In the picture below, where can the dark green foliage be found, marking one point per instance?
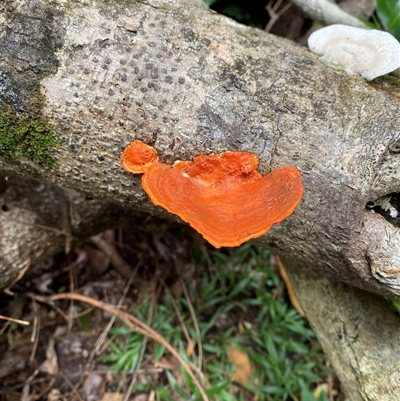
(389, 15)
(242, 289)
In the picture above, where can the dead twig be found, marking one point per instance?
(195, 323)
(142, 350)
(327, 12)
(119, 264)
(103, 335)
(274, 14)
(41, 226)
(133, 323)
(20, 275)
(66, 212)
(71, 305)
(292, 296)
(73, 388)
(13, 320)
(177, 312)
(35, 330)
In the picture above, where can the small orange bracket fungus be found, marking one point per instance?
(222, 196)
(137, 157)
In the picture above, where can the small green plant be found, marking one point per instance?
(241, 290)
(388, 12)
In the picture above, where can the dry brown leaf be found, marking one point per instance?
(190, 347)
(55, 395)
(165, 363)
(133, 323)
(98, 261)
(242, 362)
(174, 366)
(142, 397)
(323, 387)
(91, 386)
(50, 365)
(112, 397)
(241, 327)
(176, 290)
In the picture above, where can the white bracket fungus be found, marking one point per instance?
(369, 53)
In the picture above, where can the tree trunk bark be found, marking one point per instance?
(79, 81)
(39, 220)
(358, 331)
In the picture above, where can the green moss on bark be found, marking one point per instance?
(26, 135)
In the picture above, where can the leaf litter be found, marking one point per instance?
(170, 292)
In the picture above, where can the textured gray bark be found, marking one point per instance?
(38, 220)
(189, 82)
(357, 330)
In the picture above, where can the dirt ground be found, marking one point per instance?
(57, 352)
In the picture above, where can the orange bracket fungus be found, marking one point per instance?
(222, 196)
